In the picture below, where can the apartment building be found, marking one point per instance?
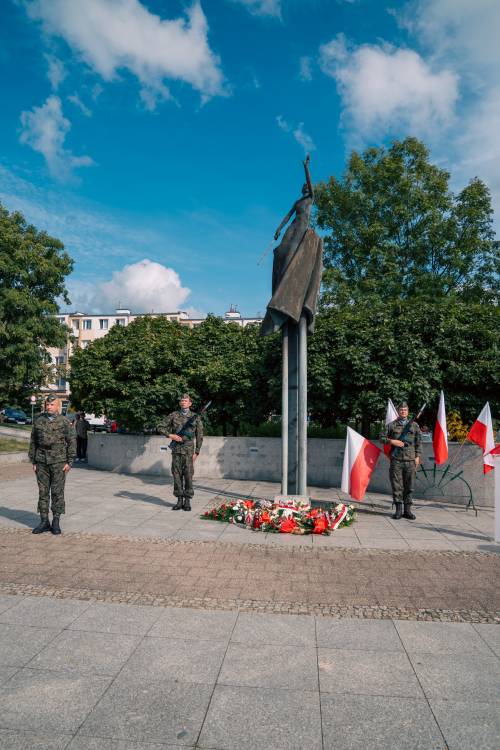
(84, 328)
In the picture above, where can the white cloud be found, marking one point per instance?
(145, 286)
(305, 72)
(302, 138)
(124, 35)
(56, 71)
(458, 30)
(262, 7)
(75, 99)
(388, 89)
(44, 129)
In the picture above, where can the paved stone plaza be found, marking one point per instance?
(143, 628)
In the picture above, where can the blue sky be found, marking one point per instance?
(162, 140)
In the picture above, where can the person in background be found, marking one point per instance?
(82, 427)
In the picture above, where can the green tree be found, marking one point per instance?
(33, 269)
(234, 367)
(410, 291)
(133, 374)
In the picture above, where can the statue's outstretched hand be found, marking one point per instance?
(307, 160)
(276, 234)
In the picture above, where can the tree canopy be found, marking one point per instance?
(137, 373)
(410, 290)
(33, 269)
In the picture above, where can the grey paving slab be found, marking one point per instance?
(459, 677)
(99, 743)
(6, 602)
(12, 740)
(287, 720)
(20, 643)
(86, 653)
(197, 662)
(490, 634)
(49, 702)
(52, 613)
(270, 666)
(194, 624)
(367, 673)
(440, 637)
(468, 725)
(356, 634)
(6, 673)
(378, 723)
(123, 619)
(286, 630)
(145, 710)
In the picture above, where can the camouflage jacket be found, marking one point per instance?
(413, 437)
(52, 441)
(175, 422)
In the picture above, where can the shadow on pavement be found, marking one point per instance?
(144, 498)
(24, 517)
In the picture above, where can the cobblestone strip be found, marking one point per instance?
(249, 605)
(298, 549)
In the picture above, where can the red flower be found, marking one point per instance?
(265, 517)
(248, 503)
(288, 525)
(320, 525)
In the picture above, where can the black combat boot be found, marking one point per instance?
(408, 514)
(187, 504)
(44, 525)
(399, 512)
(56, 529)
(179, 504)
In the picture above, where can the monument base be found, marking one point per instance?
(294, 498)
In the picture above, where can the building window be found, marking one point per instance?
(87, 324)
(61, 384)
(103, 324)
(120, 321)
(76, 325)
(60, 359)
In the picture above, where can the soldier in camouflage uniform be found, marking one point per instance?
(405, 457)
(52, 451)
(185, 452)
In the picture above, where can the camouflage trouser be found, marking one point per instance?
(402, 476)
(182, 472)
(51, 479)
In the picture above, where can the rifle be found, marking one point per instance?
(405, 431)
(185, 431)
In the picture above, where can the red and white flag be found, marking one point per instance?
(360, 458)
(390, 415)
(481, 433)
(440, 437)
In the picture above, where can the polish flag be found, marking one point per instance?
(360, 458)
(481, 433)
(390, 415)
(440, 437)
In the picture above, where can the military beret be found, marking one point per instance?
(51, 398)
(403, 405)
(185, 395)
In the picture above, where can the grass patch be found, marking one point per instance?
(11, 445)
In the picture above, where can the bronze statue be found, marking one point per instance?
(297, 265)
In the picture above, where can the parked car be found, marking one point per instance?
(98, 424)
(15, 416)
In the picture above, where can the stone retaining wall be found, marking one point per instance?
(260, 459)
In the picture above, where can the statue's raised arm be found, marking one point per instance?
(308, 175)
